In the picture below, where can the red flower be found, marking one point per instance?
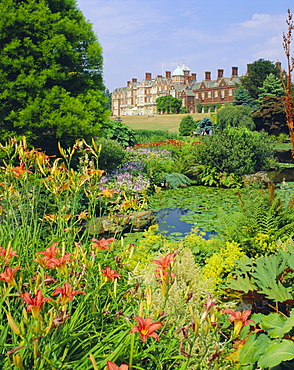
(8, 253)
(110, 274)
(58, 262)
(102, 244)
(8, 275)
(35, 304)
(113, 366)
(146, 328)
(67, 294)
(239, 318)
(51, 252)
(164, 262)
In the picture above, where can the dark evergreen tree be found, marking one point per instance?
(242, 97)
(51, 85)
(271, 116)
(256, 74)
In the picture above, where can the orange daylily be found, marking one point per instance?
(112, 366)
(107, 193)
(110, 274)
(58, 262)
(146, 328)
(239, 318)
(51, 251)
(165, 262)
(8, 253)
(102, 244)
(18, 171)
(67, 294)
(8, 275)
(35, 304)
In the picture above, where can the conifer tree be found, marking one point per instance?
(51, 85)
(242, 97)
(272, 86)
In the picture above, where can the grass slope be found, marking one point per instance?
(165, 122)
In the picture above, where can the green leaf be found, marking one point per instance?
(253, 348)
(277, 353)
(273, 324)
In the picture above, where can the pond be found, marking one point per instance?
(177, 211)
(170, 223)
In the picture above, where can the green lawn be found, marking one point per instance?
(166, 122)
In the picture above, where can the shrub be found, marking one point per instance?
(236, 150)
(118, 131)
(235, 116)
(187, 125)
(111, 156)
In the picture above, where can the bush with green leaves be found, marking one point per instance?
(187, 126)
(119, 132)
(267, 285)
(235, 116)
(236, 150)
(145, 135)
(112, 154)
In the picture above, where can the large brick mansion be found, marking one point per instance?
(140, 97)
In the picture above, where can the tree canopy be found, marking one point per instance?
(168, 104)
(235, 116)
(272, 86)
(256, 74)
(50, 72)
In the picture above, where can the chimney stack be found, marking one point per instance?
(148, 76)
(234, 72)
(159, 76)
(134, 80)
(128, 83)
(168, 74)
(220, 74)
(207, 76)
(194, 77)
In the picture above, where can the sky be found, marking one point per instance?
(139, 36)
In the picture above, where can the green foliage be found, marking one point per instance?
(270, 116)
(199, 108)
(111, 155)
(235, 150)
(119, 132)
(206, 108)
(242, 97)
(145, 136)
(183, 110)
(262, 222)
(168, 104)
(176, 180)
(272, 86)
(187, 126)
(235, 116)
(51, 74)
(256, 74)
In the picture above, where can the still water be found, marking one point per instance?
(170, 223)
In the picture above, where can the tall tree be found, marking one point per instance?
(256, 74)
(272, 86)
(235, 116)
(51, 85)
